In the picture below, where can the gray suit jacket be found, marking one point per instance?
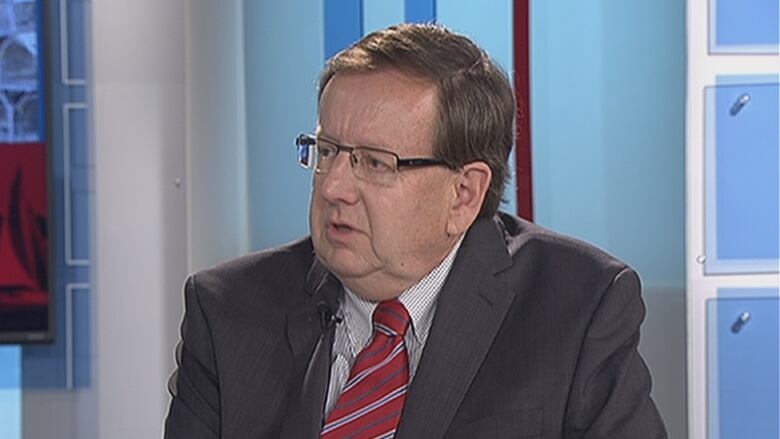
(535, 336)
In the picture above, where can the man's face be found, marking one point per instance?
(379, 240)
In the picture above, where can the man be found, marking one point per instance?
(414, 310)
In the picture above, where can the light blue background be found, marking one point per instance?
(608, 129)
(10, 392)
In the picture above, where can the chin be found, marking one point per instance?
(345, 269)
(340, 261)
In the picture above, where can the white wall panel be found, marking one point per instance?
(216, 132)
(138, 133)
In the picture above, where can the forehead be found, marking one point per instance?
(386, 109)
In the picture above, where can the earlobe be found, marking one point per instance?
(471, 188)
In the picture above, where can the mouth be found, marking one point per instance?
(340, 229)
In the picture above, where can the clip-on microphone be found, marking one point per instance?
(327, 317)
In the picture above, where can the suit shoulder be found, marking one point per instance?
(270, 271)
(567, 270)
(547, 247)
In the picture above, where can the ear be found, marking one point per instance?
(471, 186)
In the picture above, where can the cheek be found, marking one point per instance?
(402, 225)
(430, 212)
(384, 220)
(316, 207)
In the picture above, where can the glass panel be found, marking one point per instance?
(742, 195)
(743, 366)
(738, 26)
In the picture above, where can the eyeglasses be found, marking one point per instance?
(373, 165)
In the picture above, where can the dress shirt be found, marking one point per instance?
(356, 330)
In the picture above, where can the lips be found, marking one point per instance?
(340, 229)
(342, 226)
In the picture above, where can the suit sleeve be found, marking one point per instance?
(610, 397)
(194, 411)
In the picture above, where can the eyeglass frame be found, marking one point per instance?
(307, 139)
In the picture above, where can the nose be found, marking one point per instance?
(339, 183)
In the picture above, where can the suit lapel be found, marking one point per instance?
(310, 344)
(469, 311)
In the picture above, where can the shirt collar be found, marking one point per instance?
(419, 300)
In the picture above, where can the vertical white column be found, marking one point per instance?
(216, 132)
(138, 132)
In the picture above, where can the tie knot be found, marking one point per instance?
(391, 318)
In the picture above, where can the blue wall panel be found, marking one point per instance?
(343, 24)
(76, 38)
(744, 26)
(420, 11)
(743, 364)
(80, 372)
(742, 178)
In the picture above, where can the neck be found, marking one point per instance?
(381, 286)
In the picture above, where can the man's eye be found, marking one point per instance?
(375, 163)
(327, 153)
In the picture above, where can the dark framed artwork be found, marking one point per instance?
(25, 299)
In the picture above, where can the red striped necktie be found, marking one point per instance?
(372, 399)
